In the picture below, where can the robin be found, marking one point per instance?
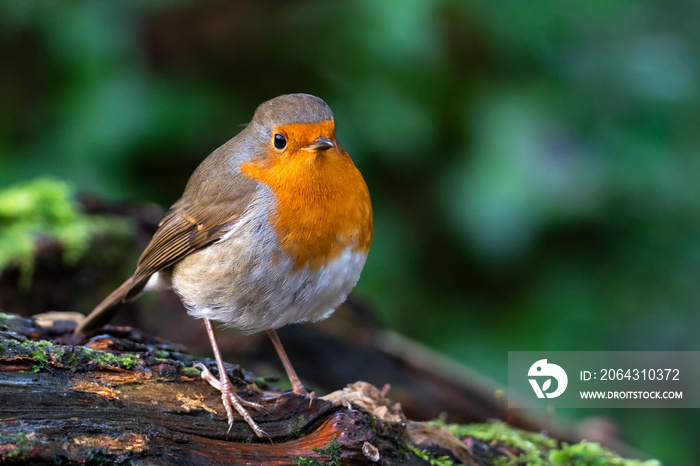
(273, 228)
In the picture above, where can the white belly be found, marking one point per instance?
(244, 281)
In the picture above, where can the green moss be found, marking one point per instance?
(501, 432)
(128, 360)
(42, 351)
(40, 355)
(47, 353)
(45, 207)
(302, 461)
(371, 421)
(431, 458)
(332, 451)
(190, 371)
(295, 428)
(540, 450)
(36, 350)
(161, 354)
(105, 358)
(23, 445)
(43, 343)
(591, 454)
(533, 446)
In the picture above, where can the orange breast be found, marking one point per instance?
(323, 205)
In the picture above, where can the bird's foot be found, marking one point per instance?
(231, 400)
(299, 389)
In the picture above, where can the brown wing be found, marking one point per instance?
(186, 228)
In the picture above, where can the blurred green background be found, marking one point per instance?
(534, 166)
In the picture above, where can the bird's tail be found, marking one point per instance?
(107, 309)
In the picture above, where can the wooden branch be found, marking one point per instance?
(125, 396)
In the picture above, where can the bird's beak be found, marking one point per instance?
(320, 143)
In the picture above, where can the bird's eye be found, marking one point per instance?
(279, 141)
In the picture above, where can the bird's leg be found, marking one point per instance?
(229, 397)
(297, 386)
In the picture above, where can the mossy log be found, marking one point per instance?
(124, 397)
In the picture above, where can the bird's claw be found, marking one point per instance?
(231, 400)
